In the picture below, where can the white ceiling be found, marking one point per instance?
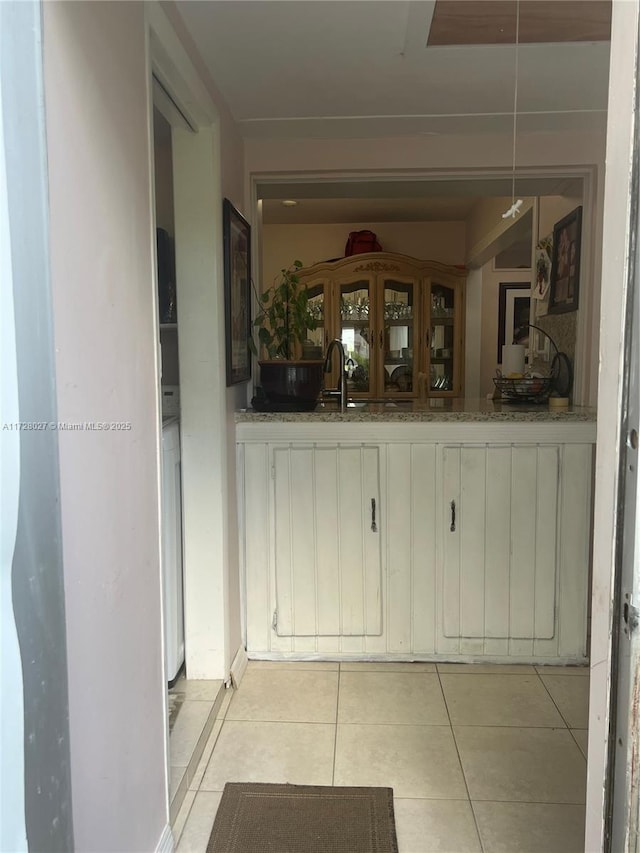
(361, 69)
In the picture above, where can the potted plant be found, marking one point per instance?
(288, 380)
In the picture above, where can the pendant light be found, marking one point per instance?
(515, 205)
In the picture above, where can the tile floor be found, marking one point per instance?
(489, 759)
(193, 707)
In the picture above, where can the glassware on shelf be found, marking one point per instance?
(398, 311)
(354, 309)
(316, 310)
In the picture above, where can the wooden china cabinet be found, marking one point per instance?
(397, 317)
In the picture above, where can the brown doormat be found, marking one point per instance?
(261, 818)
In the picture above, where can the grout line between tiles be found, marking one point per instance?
(528, 803)
(555, 703)
(576, 741)
(335, 734)
(464, 776)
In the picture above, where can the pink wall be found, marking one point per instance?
(96, 91)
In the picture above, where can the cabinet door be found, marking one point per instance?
(498, 540)
(355, 302)
(327, 541)
(397, 310)
(319, 310)
(444, 340)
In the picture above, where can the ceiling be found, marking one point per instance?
(332, 69)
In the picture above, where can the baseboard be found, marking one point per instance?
(166, 843)
(239, 666)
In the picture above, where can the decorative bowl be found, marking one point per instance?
(528, 389)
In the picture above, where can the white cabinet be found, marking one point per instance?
(326, 516)
(499, 541)
(509, 582)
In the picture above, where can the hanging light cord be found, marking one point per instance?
(515, 205)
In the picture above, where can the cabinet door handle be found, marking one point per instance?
(453, 517)
(427, 338)
(374, 526)
(381, 339)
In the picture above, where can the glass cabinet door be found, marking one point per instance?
(355, 324)
(399, 316)
(443, 349)
(317, 307)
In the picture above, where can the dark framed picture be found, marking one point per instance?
(514, 303)
(237, 293)
(565, 264)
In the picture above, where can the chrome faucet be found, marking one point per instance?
(341, 390)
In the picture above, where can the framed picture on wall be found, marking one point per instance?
(237, 288)
(514, 303)
(565, 264)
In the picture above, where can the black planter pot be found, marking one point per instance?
(290, 386)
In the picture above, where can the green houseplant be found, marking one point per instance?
(288, 381)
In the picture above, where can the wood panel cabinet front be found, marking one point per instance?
(480, 550)
(397, 317)
(327, 541)
(499, 542)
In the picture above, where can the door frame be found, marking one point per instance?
(616, 247)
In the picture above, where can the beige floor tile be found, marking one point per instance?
(435, 826)
(499, 700)
(190, 723)
(391, 697)
(486, 668)
(319, 665)
(522, 765)
(387, 666)
(563, 670)
(582, 739)
(299, 753)
(571, 695)
(281, 695)
(200, 689)
(197, 829)
(530, 827)
(416, 761)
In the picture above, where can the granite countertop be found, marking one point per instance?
(436, 410)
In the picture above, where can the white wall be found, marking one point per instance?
(482, 152)
(207, 165)
(434, 241)
(230, 175)
(103, 283)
